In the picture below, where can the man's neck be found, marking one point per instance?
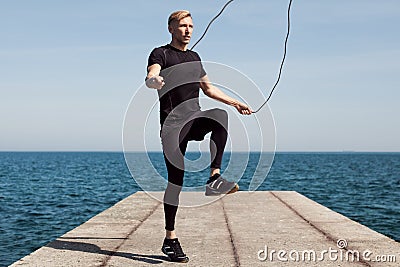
(178, 45)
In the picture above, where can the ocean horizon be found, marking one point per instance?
(44, 194)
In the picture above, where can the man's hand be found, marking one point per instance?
(243, 109)
(156, 82)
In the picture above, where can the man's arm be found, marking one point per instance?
(153, 78)
(215, 93)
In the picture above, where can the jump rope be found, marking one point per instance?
(284, 51)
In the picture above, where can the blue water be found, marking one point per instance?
(45, 194)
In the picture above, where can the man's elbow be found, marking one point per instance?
(208, 92)
(206, 89)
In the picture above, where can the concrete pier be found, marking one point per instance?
(243, 229)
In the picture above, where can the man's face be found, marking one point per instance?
(182, 30)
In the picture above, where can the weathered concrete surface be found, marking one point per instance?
(242, 229)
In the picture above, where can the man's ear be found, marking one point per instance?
(170, 28)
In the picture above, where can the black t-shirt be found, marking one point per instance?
(181, 71)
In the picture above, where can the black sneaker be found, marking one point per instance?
(172, 248)
(217, 185)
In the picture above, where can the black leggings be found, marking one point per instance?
(214, 121)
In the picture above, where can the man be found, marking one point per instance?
(177, 74)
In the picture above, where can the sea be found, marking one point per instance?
(45, 194)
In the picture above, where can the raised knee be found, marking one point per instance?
(221, 116)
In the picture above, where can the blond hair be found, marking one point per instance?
(178, 15)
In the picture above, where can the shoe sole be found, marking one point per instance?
(178, 261)
(233, 190)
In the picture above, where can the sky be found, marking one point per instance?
(69, 70)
